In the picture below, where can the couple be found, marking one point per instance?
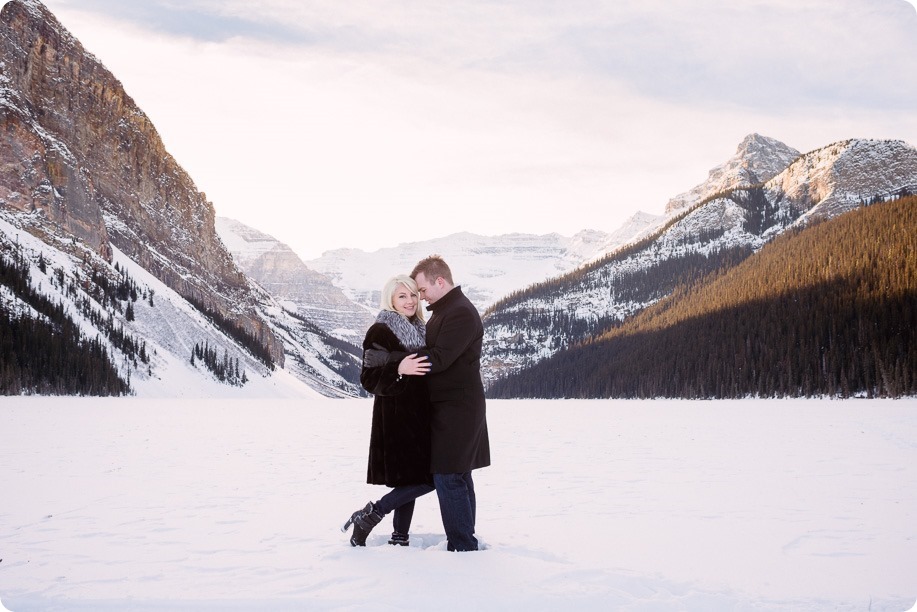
(429, 428)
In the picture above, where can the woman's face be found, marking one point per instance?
(404, 301)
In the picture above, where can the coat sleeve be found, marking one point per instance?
(457, 332)
(382, 380)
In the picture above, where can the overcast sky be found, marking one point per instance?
(365, 123)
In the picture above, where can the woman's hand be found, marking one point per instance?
(414, 365)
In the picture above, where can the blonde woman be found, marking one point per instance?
(399, 441)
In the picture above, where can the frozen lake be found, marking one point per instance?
(592, 505)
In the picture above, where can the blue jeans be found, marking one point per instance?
(401, 500)
(458, 507)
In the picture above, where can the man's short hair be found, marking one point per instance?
(433, 267)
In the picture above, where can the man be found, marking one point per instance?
(460, 443)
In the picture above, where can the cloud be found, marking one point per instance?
(761, 54)
(661, 47)
(195, 20)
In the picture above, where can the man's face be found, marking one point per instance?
(430, 291)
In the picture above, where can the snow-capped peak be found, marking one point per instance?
(757, 160)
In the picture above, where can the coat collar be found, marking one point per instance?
(411, 333)
(453, 294)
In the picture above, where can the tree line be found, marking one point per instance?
(226, 369)
(102, 288)
(235, 331)
(631, 290)
(42, 351)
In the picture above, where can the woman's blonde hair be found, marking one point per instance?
(385, 302)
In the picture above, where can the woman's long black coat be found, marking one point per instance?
(399, 441)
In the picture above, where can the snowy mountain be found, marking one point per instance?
(320, 328)
(487, 267)
(149, 333)
(729, 220)
(280, 271)
(110, 255)
(155, 338)
(757, 159)
(841, 176)
(82, 156)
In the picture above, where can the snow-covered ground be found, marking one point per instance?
(139, 504)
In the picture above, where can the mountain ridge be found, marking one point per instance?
(757, 159)
(723, 225)
(486, 266)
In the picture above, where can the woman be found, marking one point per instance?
(399, 441)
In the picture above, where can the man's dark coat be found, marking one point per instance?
(458, 422)
(399, 441)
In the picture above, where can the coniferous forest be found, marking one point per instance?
(830, 309)
(43, 351)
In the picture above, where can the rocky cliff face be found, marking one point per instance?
(87, 163)
(274, 266)
(841, 176)
(38, 171)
